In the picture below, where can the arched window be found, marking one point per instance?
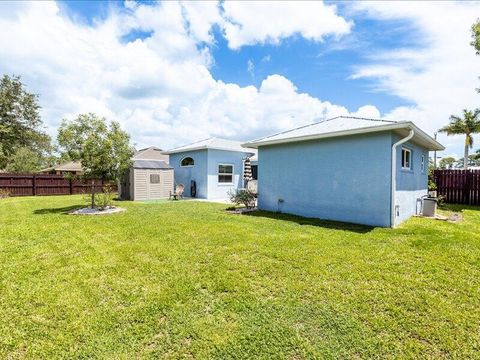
(188, 161)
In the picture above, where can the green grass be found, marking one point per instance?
(186, 279)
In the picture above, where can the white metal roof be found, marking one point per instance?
(212, 143)
(346, 125)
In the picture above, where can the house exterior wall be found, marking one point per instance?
(218, 190)
(197, 172)
(343, 179)
(205, 171)
(411, 184)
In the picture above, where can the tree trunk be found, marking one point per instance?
(93, 194)
(465, 157)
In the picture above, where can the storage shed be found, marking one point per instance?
(147, 180)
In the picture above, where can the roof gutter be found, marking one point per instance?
(394, 175)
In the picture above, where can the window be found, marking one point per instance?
(188, 161)
(423, 164)
(225, 174)
(406, 159)
(154, 178)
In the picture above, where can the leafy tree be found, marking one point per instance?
(476, 36)
(24, 160)
(103, 149)
(20, 122)
(468, 125)
(446, 162)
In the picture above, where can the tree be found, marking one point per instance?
(476, 36)
(20, 122)
(24, 160)
(446, 162)
(103, 149)
(468, 125)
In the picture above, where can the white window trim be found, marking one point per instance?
(187, 166)
(233, 174)
(404, 160)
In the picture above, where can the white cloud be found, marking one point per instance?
(259, 22)
(160, 88)
(439, 75)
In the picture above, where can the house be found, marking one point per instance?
(149, 178)
(68, 168)
(349, 169)
(210, 168)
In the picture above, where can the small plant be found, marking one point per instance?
(242, 197)
(4, 193)
(104, 199)
(440, 200)
(431, 185)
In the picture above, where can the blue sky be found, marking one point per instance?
(173, 73)
(313, 67)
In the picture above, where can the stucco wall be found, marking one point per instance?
(198, 172)
(205, 172)
(218, 190)
(344, 178)
(411, 184)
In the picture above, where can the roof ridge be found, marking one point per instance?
(364, 118)
(322, 121)
(193, 143)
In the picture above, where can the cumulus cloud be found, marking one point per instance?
(439, 75)
(157, 85)
(259, 22)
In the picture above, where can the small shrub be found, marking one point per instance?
(431, 185)
(243, 197)
(104, 199)
(440, 200)
(4, 193)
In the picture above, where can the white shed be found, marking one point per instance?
(147, 180)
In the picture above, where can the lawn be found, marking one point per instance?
(186, 279)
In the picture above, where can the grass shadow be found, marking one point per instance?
(63, 210)
(326, 224)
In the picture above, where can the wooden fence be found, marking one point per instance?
(45, 184)
(458, 186)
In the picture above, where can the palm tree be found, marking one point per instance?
(470, 124)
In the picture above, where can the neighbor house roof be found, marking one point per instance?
(150, 164)
(212, 143)
(72, 166)
(150, 153)
(347, 125)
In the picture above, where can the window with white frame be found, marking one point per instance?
(423, 164)
(225, 173)
(187, 161)
(406, 159)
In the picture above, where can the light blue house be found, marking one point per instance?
(356, 170)
(213, 166)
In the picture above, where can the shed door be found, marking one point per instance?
(140, 181)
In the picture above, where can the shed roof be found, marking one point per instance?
(212, 143)
(150, 164)
(346, 125)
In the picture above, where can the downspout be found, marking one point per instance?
(394, 175)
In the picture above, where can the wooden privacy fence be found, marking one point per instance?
(458, 186)
(45, 184)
